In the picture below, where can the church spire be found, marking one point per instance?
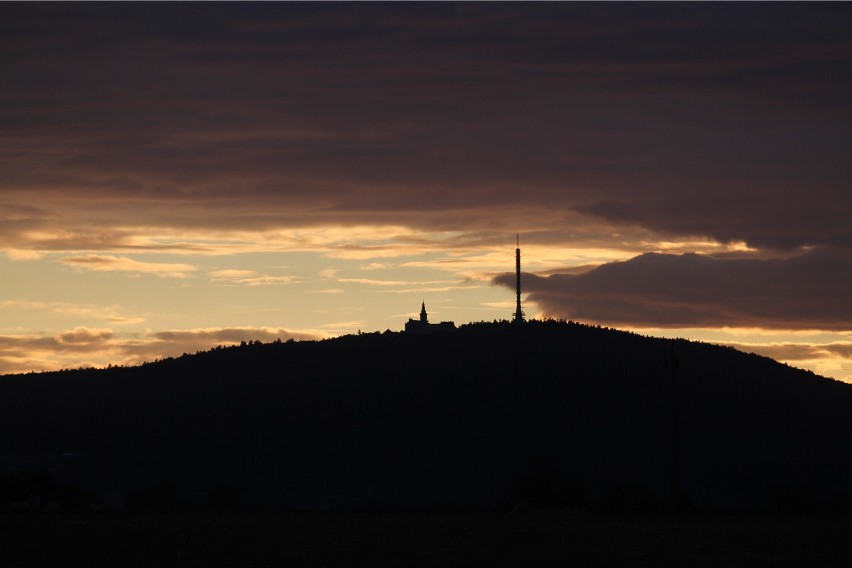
(423, 317)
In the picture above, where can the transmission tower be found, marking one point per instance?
(519, 313)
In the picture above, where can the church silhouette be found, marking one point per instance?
(422, 326)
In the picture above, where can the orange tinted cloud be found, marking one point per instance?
(109, 263)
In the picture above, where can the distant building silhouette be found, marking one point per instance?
(423, 326)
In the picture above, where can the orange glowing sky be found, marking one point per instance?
(179, 176)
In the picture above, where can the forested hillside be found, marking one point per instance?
(541, 414)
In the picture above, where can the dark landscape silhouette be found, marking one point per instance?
(495, 416)
(180, 175)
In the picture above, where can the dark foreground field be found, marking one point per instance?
(338, 539)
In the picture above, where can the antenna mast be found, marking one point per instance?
(519, 313)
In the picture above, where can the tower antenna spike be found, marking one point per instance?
(519, 313)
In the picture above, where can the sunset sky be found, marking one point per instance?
(179, 176)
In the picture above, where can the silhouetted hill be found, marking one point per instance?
(544, 414)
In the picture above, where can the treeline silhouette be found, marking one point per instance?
(548, 414)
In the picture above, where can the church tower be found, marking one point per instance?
(422, 326)
(519, 313)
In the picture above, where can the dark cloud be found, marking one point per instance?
(84, 336)
(173, 343)
(810, 291)
(841, 349)
(86, 347)
(24, 353)
(230, 335)
(798, 351)
(722, 120)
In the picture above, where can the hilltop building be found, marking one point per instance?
(422, 326)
